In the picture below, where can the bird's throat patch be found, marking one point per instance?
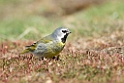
(64, 38)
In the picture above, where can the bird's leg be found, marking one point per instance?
(57, 58)
(41, 58)
(53, 57)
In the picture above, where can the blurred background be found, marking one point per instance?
(31, 19)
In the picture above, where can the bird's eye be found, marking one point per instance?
(64, 31)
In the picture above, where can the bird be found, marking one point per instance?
(49, 46)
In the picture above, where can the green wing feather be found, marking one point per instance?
(32, 47)
(29, 48)
(46, 39)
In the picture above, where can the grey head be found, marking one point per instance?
(61, 34)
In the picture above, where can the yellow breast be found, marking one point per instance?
(54, 49)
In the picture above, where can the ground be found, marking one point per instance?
(94, 51)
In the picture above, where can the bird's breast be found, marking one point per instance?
(55, 47)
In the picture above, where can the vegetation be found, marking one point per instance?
(94, 52)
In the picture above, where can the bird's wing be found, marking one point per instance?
(46, 39)
(33, 46)
(30, 48)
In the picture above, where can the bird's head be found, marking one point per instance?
(61, 33)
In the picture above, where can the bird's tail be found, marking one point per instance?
(25, 51)
(30, 48)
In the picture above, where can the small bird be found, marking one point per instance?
(49, 46)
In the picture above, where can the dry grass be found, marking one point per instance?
(47, 8)
(83, 60)
(94, 52)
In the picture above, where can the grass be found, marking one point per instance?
(85, 23)
(93, 53)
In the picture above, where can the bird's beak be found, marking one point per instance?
(69, 32)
